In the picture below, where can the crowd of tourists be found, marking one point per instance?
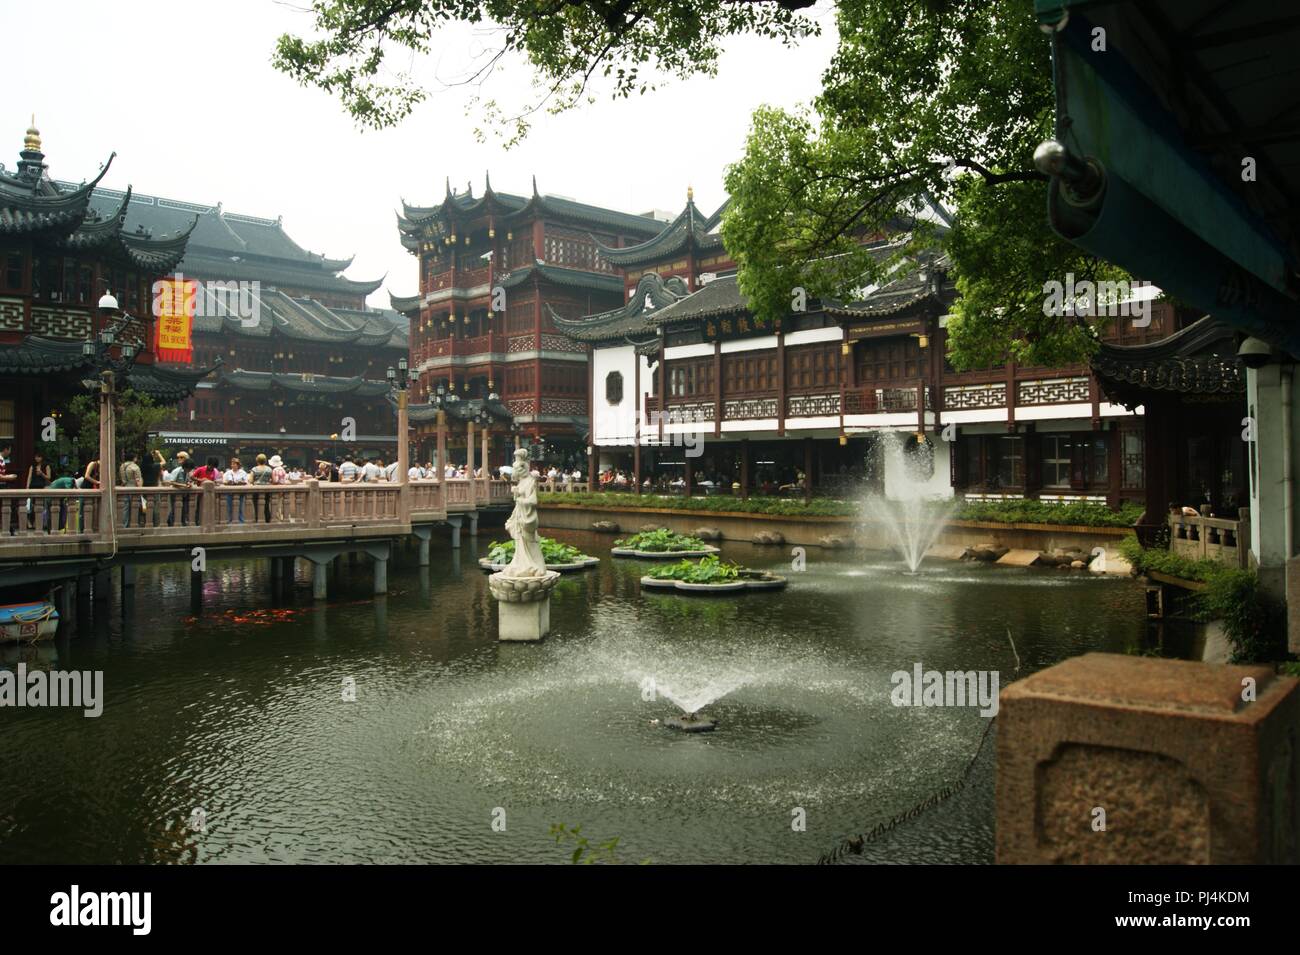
(182, 471)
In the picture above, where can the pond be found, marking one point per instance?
(227, 737)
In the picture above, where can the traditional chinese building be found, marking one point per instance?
(689, 389)
(302, 359)
(494, 271)
(60, 251)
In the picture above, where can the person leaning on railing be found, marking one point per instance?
(260, 476)
(38, 478)
(8, 478)
(235, 476)
(65, 482)
(129, 475)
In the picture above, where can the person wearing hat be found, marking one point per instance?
(176, 477)
(278, 474)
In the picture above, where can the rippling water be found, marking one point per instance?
(240, 712)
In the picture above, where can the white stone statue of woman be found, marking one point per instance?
(522, 525)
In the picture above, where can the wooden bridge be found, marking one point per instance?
(69, 537)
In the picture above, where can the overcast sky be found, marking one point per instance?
(185, 94)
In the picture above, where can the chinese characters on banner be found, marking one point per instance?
(173, 308)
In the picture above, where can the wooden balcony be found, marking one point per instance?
(873, 400)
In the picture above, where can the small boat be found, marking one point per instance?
(29, 621)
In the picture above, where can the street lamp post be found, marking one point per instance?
(108, 368)
(401, 379)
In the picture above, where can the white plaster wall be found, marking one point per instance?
(614, 424)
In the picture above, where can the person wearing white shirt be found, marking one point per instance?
(506, 472)
(390, 472)
(370, 471)
(235, 474)
(347, 471)
(414, 473)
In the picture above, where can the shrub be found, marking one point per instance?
(553, 552)
(1006, 512)
(660, 541)
(1252, 622)
(708, 570)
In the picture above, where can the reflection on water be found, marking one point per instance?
(239, 710)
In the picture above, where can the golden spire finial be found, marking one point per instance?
(32, 142)
(690, 193)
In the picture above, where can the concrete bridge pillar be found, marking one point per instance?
(473, 524)
(128, 576)
(319, 588)
(455, 521)
(83, 600)
(381, 575)
(103, 586)
(424, 552)
(66, 600)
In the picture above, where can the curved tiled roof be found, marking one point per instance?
(461, 410)
(36, 355)
(302, 384)
(231, 246)
(689, 230)
(37, 203)
(562, 276)
(1200, 359)
(630, 320)
(304, 319)
(413, 221)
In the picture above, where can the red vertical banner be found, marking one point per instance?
(173, 307)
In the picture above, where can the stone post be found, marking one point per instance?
(1107, 758)
(107, 455)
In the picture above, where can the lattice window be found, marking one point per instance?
(614, 387)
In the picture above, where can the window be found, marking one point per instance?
(886, 360)
(1132, 458)
(1056, 460)
(690, 378)
(1008, 464)
(614, 387)
(813, 366)
(1098, 462)
(13, 273)
(7, 419)
(748, 372)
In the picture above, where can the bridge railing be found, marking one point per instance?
(426, 497)
(37, 514)
(30, 518)
(459, 491)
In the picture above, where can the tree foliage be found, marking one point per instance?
(136, 417)
(941, 101)
(568, 43)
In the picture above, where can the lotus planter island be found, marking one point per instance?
(561, 557)
(660, 545)
(711, 576)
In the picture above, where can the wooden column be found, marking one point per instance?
(487, 474)
(717, 389)
(807, 469)
(469, 450)
(780, 382)
(744, 469)
(637, 411)
(1011, 395)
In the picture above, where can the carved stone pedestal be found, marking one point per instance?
(524, 605)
